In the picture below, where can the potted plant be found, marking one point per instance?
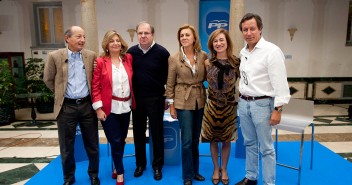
(34, 73)
(7, 94)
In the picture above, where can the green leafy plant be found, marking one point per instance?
(34, 73)
(7, 94)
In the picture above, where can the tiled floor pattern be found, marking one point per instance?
(26, 148)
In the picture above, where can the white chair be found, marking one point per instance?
(296, 116)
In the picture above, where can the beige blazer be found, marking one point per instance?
(56, 73)
(182, 86)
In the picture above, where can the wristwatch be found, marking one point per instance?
(278, 109)
(170, 103)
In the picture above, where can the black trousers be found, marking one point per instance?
(70, 115)
(116, 129)
(153, 109)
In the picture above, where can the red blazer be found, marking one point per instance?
(102, 81)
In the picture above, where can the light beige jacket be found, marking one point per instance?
(56, 73)
(182, 86)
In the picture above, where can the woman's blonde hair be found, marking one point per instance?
(106, 40)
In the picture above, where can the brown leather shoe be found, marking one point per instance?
(246, 181)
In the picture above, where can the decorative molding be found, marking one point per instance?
(326, 89)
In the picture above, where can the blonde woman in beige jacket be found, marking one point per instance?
(186, 96)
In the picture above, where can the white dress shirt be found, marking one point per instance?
(263, 72)
(120, 88)
(193, 67)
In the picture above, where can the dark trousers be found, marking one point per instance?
(191, 125)
(116, 129)
(67, 120)
(153, 109)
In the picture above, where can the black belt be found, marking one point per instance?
(252, 98)
(77, 101)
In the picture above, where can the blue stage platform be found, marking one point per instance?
(328, 168)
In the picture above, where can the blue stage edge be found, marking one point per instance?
(329, 168)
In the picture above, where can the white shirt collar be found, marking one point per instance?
(184, 55)
(259, 44)
(193, 67)
(145, 51)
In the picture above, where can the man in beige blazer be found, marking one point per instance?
(68, 73)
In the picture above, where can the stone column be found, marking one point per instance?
(89, 24)
(152, 9)
(193, 12)
(236, 14)
(316, 42)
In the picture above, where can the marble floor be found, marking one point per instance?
(27, 147)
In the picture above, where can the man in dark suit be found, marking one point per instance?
(150, 65)
(68, 73)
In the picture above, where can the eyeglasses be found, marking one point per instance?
(244, 75)
(143, 33)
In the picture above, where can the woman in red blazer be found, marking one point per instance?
(113, 96)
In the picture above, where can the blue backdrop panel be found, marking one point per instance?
(213, 14)
(172, 141)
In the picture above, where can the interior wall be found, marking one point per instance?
(165, 15)
(71, 10)
(18, 31)
(317, 49)
(11, 37)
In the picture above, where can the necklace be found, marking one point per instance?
(116, 62)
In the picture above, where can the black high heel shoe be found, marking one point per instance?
(225, 181)
(216, 181)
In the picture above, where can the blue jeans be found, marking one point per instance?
(256, 130)
(190, 124)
